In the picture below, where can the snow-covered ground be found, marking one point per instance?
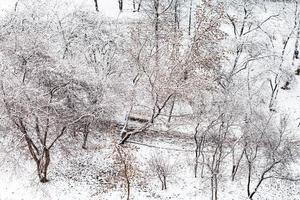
(76, 177)
(82, 177)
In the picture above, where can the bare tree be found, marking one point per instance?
(46, 101)
(269, 157)
(200, 142)
(148, 57)
(161, 167)
(124, 161)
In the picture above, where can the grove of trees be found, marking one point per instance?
(213, 68)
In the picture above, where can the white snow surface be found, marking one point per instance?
(20, 183)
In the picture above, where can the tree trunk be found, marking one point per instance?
(235, 167)
(171, 110)
(156, 7)
(162, 183)
(85, 135)
(128, 188)
(190, 17)
(176, 15)
(133, 4)
(42, 165)
(127, 180)
(120, 5)
(139, 6)
(165, 182)
(249, 179)
(214, 187)
(96, 5)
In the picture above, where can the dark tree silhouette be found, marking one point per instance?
(96, 5)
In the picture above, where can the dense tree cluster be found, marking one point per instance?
(66, 72)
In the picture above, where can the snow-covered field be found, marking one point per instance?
(79, 174)
(85, 175)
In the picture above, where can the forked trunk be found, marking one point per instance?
(42, 166)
